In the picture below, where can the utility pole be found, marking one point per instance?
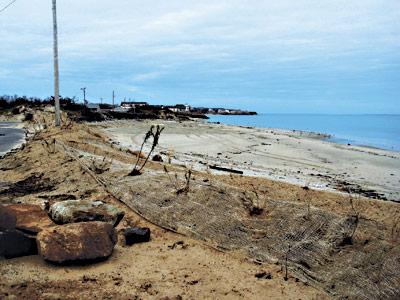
(113, 98)
(84, 95)
(56, 73)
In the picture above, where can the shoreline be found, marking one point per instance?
(338, 137)
(292, 156)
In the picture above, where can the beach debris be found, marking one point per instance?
(14, 243)
(33, 184)
(30, 218)
(8, 219)
(59, 244)
(73, 211)
(345, 186)
(137, 153)
(178, 245)
(136, 235)
(157, 157)
(263, 275)
(154, 132)
(214, 167)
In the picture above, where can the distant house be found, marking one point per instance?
(93, 107)
(121, 109)
(223, 111)
(133, 104)
(184, 108)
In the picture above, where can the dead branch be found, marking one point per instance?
(156, 136)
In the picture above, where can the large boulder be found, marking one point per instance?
(72, 211)
(8, 219)
(14, 243)
(30, 218)
(78, 242)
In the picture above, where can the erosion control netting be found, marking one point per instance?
(314, 242)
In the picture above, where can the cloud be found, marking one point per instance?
(147, 76)
(230, 50)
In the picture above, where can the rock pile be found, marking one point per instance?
(71, 231)
(85, 231)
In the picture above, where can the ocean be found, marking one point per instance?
(10, 137)
(380, 131)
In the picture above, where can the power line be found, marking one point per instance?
(7, 6)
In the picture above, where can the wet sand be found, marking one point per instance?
(296, 157)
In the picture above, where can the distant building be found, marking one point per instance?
(121, 109)
(184, 108)
(93, 106)
(133, 104)
(223, 111)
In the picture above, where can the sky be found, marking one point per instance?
(286, 56)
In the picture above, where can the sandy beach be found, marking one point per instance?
(228, 236)
(296, 157)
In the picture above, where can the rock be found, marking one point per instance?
(78, 242)
(14, 243)
(30, 218)
(8, 219)
(73, 211)
(263, 275)
(137, 153)
(136, 235)
(157, 157)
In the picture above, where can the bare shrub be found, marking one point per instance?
(99, 167)
(170, 155)
(180, 190)
(257, 205)
(253, 203)
(307, 200)
(395, 230)
(185, 189)
(353, 221)
(286, 262)
(154, 132)
(49, 146)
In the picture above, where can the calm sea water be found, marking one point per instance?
(381, 131)
(9, 136)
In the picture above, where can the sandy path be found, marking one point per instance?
(291, 156)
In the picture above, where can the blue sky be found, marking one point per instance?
(270, 56)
